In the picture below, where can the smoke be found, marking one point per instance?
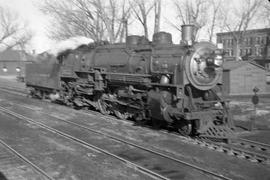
(69, 44)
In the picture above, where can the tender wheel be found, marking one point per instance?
(184, 127)
(121, 115)
(103, 107)
(156, 123)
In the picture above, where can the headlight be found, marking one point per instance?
(5, 69)
(218, 60)
(18, 69)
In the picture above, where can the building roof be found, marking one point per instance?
(10, 55)
(264, 30)
(15, 55)
(230, 65)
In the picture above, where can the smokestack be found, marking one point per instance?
(187, 34)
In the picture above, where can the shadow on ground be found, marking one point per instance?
(2, 176)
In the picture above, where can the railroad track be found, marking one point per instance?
(14, 161)
(241, 148)
(258, 146)
(237, 150)
(253, 151)
(131, 155)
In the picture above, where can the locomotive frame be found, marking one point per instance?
(158, 82)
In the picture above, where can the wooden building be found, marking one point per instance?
(240, 77)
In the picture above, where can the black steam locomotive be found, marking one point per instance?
(158, 82)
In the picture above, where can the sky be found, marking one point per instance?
(39, 23)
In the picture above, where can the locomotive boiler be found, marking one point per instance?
(159, 82)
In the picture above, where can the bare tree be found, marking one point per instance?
(265, 13)
(113, 18)
(191, 12)
(95, 19)
(240, 21)
(72, 18)
(13, 32)
(214, 10)
(141, 10)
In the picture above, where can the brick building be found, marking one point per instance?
(10, 60)
(254, 46)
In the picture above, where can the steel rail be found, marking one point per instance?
(254, 142)
(233, 150)
(152, 173)
(38, 169)
(236, 151)
(137, 146)
(210, 143)
(14, 92)
(85, 144)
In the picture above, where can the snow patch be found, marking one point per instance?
(261, 112)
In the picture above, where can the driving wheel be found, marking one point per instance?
(103, 107)
(184, 127)
(121, 115)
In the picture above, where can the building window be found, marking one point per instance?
(260, 51)
(230, 42)
(267, 79)
(224, 42)
(246, 51)
(227, 53)
(258, 40)
(257, 51)
(249, 52)
(246, 41)
(250, 41)
(267, 65)
(263, 40)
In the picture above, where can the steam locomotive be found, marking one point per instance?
(159, 82)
